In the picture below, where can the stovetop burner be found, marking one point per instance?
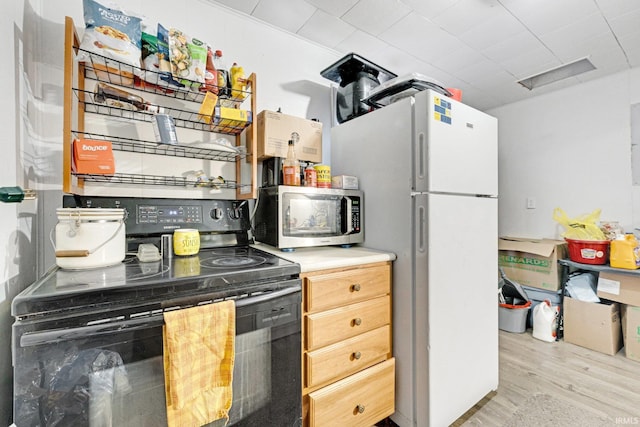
(233, 261)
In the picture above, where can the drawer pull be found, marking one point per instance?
(357, 321)
(360, 409)
(355, 287)
(357, 355)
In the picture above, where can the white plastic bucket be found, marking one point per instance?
(89, 237)
(545, 321)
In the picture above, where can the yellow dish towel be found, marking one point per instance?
(199, 351)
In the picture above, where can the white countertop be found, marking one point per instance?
(327, 257)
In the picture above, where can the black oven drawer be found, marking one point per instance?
(112, 372)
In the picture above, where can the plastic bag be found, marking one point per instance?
(584, 227)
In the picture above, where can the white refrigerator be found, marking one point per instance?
(428, 166)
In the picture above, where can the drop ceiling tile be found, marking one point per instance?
(363, 44)
(244, 6)
(544, 16)
(568, 51)
(430, 8)
(609, 60)
(458, 58)
(375, 16)
(626, 24)
(532, 62)
(493, 79)
(578, 30)
(478, 71)
(398, 61)
(630, 43)
(515, 46)
(332, 7)
(499, 27)
(633, 55)
(466, 14)
(613, 8)
(325, 29)
(421, 37)
(289, 15)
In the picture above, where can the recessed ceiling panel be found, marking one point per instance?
(467, 14)
(289, 15)
(376, 16)
(333, 7)
(325, 29)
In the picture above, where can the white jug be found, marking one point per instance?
(545, 321)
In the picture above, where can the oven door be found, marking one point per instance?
(110, 373)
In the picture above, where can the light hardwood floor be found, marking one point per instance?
(608, 386)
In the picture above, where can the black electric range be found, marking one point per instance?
(83, 337)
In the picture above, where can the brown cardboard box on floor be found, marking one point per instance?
(532, 262)
(620, 287)
(593, 325)
(631, 331)
(274, 131)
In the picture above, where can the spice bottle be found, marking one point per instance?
(310, 176)
(291, 165)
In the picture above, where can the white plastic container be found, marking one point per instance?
(89, 237)
(545, 321)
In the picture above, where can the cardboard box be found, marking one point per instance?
(592, 325)
(93, 157)
(532, 262)
(631, 331)
(274, 132)
(620, 287)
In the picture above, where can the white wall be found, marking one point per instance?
(569, 149)
(288, 77)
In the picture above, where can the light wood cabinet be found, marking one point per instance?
(348, 372)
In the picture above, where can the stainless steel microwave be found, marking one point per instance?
(290, 217)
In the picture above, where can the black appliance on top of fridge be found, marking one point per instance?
(356, 77)
(87, 344)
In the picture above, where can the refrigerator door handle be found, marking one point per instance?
(421, 155)
(421, 228)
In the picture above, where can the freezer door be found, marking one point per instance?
(456, 307)
(457, 146)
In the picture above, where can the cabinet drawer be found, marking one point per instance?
(348, 356)
(345, 287)
(328, 327)
(359, 400)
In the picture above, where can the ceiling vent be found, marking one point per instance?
(562, 72)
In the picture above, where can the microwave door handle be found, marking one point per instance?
(347, 223)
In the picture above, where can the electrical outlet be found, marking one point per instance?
(531, 202)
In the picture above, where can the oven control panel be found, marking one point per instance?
(151, 216)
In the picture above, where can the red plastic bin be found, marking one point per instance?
(588, 251)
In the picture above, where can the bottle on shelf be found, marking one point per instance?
(118, 98)
(291, 164)
(210, 75)
(223, 74)
(310, 176)
(238, 85)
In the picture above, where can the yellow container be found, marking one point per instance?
(186, 241)
(625, 253)
(323, 178)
